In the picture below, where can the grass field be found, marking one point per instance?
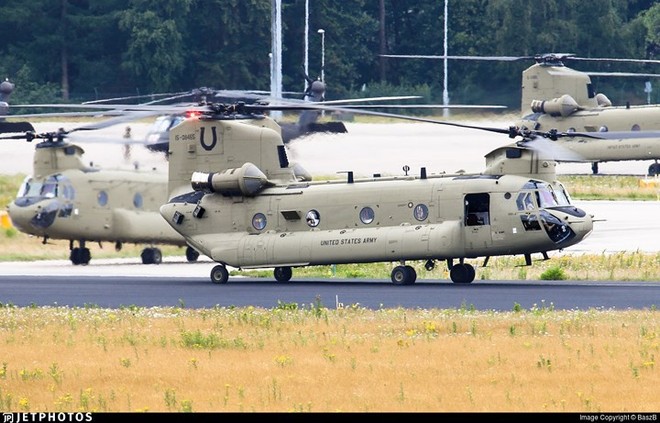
(315, 359)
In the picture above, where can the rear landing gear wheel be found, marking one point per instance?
(283, 274)
(219, 274)
(654, 169)
(462, 273)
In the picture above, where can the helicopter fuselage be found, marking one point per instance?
(94, 206)
(244, 207)
(370, 221)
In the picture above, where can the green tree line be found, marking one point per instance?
(81, 50)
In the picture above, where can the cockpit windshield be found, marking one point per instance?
(563, 198)
(51, 187)
(542, 195)
(30, 188)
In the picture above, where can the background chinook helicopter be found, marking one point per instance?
(66, 199)
(235, 197)
(556, 97)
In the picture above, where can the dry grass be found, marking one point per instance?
(317, 359)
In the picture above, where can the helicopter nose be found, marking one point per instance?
(20, 216)
(39, 215)
(567, 226)
(582, 226)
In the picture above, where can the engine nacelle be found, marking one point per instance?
(562, 106)
(247, 180)
(602, 100)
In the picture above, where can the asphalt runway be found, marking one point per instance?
(181, 285)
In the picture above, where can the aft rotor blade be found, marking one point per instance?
(549, 57)
(493, 58)
(643, 75)
(426, 106)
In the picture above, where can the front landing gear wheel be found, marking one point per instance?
(191, 254)
(80, 256)
(462, 273)
(151, 256)
(283, 274)
(219, 274)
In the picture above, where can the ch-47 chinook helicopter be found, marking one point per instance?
(556, 97)
(64, 198)
(235, 197)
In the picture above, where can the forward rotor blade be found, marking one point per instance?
(133, 97)
(551, 150)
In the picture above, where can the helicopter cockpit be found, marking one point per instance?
(157, 138)
(537, 200)
(40, 201)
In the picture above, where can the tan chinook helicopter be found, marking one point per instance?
(64, 198)
(236, 198)
(556, 97)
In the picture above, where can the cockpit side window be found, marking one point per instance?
(525, 201)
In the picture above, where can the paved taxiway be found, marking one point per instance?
(105, 290)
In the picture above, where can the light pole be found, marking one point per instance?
(322, 32)
(306, 44)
